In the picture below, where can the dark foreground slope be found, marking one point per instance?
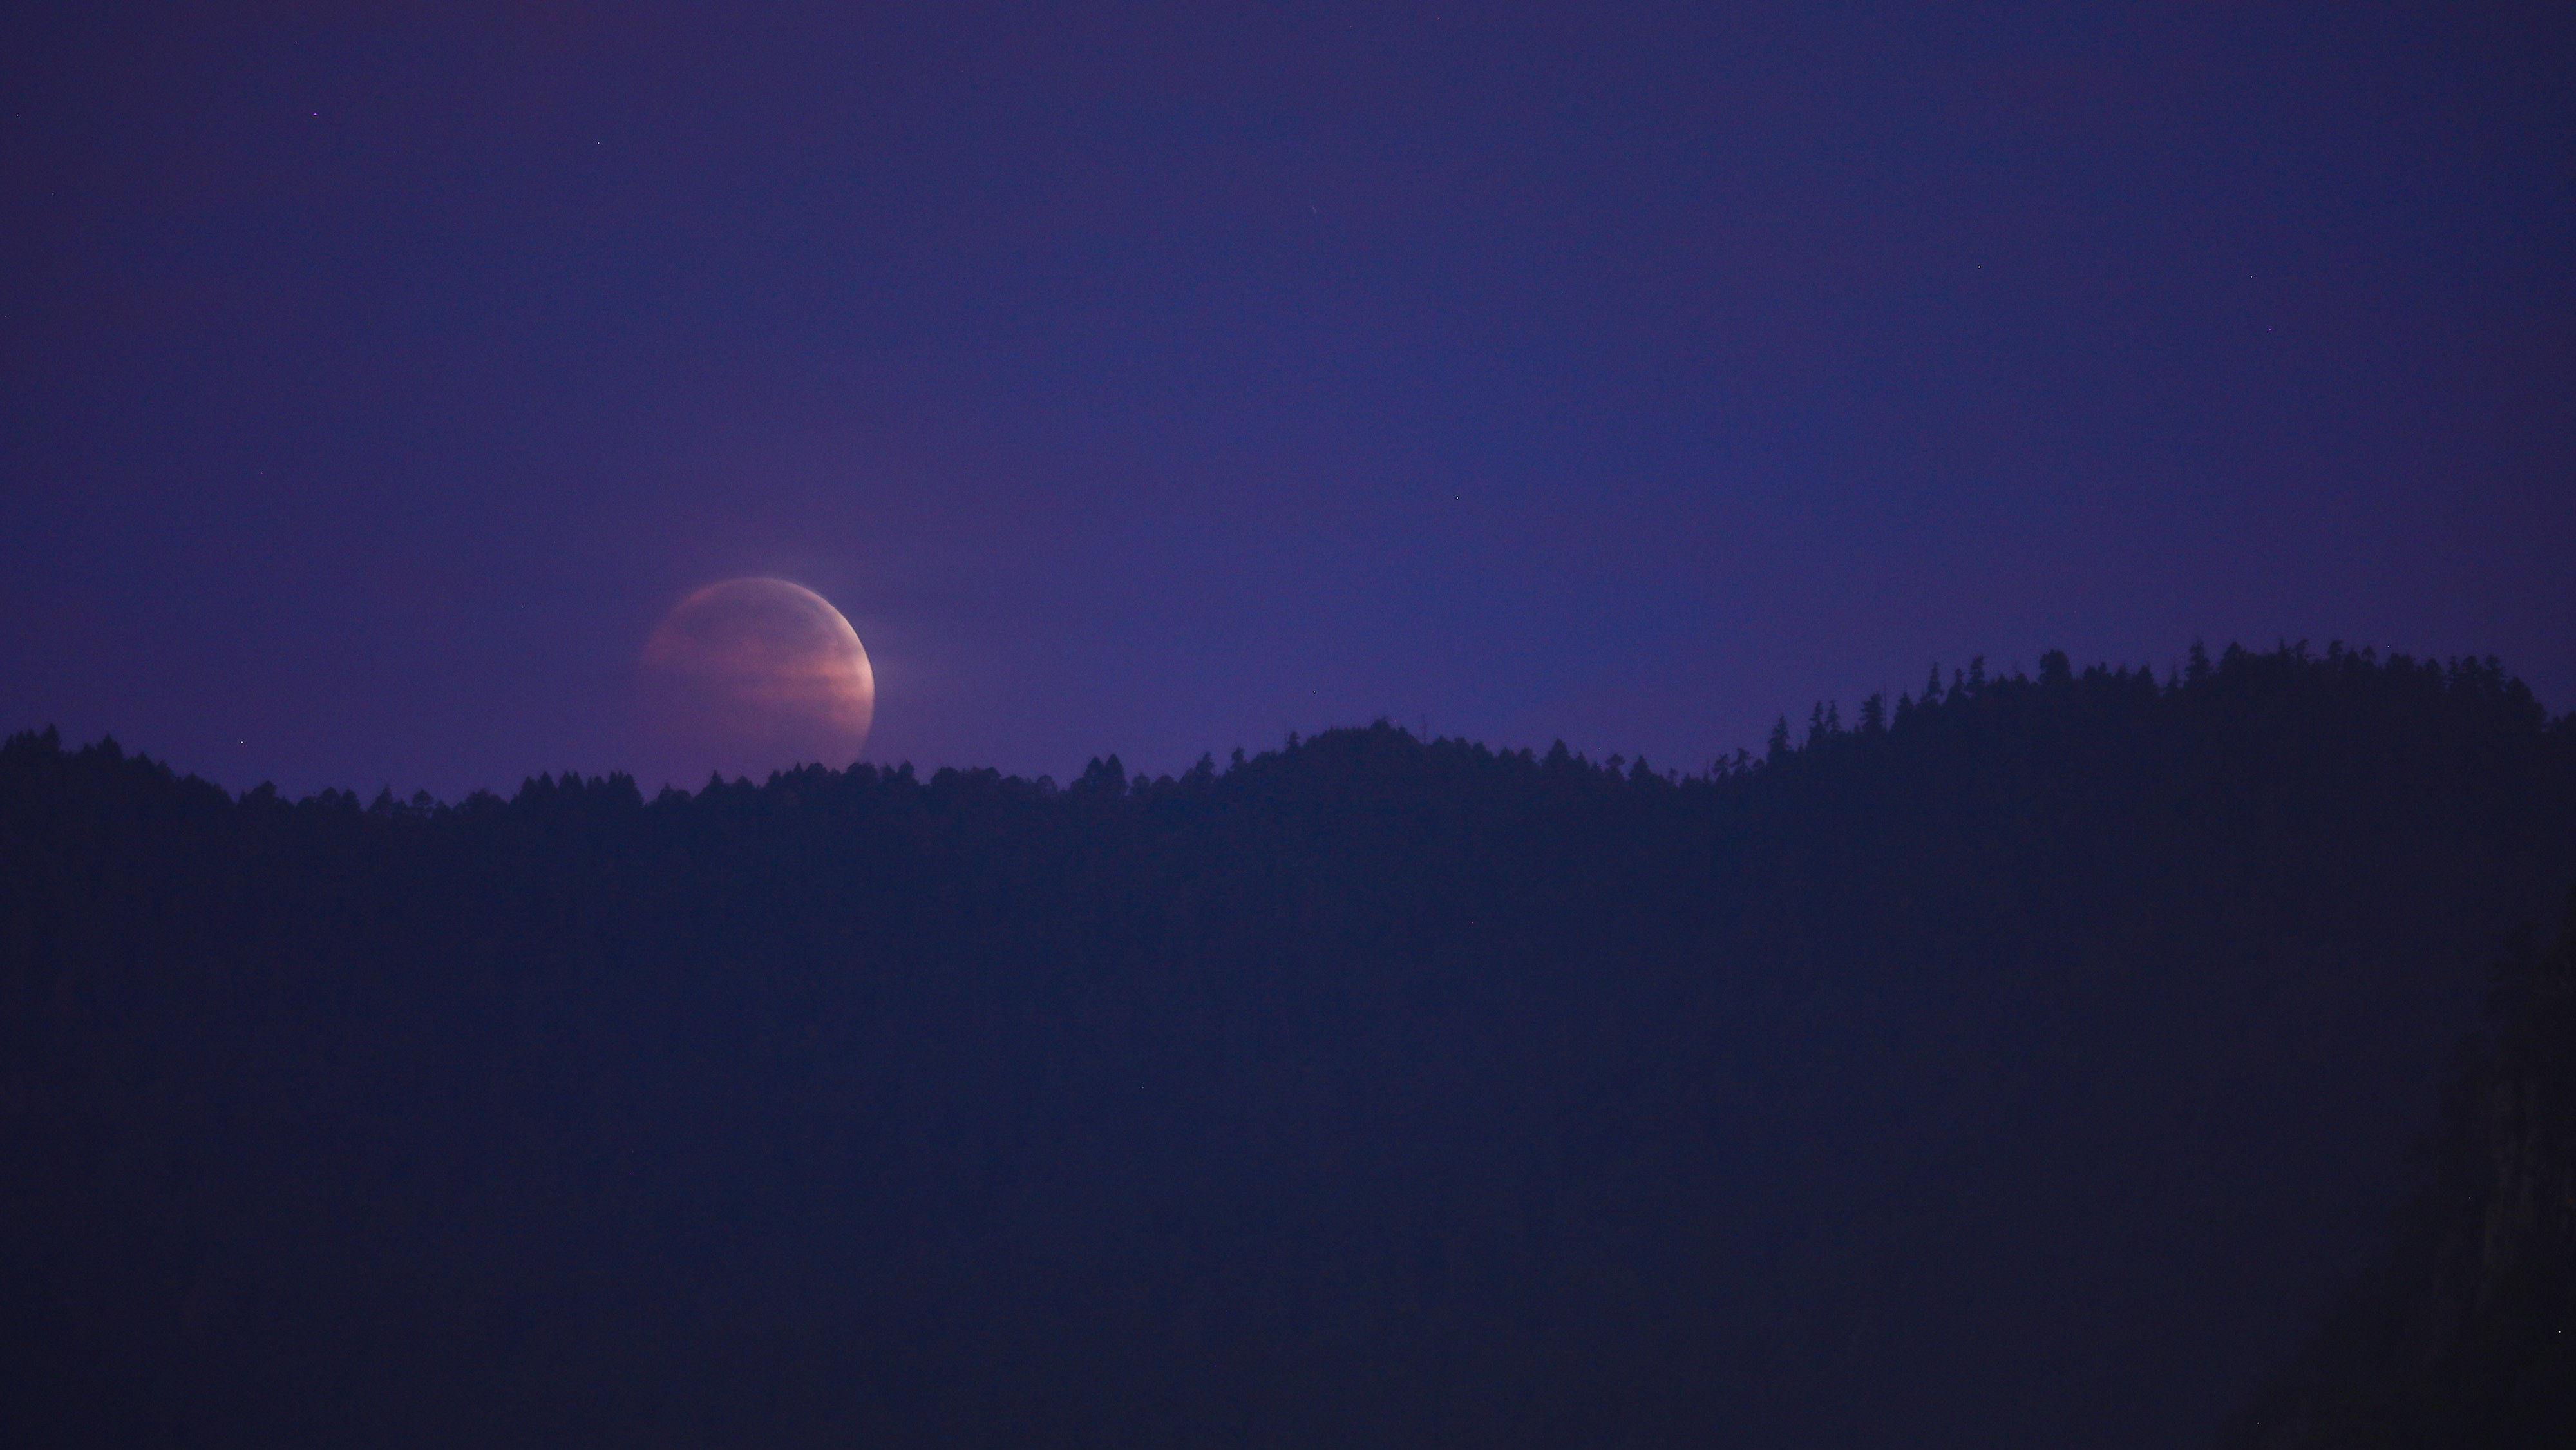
(2025, 1070)
(2463, 1336)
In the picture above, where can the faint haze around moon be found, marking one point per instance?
(754, 675)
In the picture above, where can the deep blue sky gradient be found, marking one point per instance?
(1160, 379)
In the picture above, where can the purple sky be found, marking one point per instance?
(1163, 379)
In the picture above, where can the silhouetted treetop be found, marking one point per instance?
(2022, 1063)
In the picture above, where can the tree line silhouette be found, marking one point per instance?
(2027, 1061)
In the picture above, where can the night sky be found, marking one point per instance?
(1165, 379)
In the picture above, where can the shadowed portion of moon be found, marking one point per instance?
(753, 675)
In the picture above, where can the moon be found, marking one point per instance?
(753, 675)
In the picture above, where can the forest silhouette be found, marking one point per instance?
(2029, 1060)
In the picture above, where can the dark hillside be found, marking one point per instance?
(2463, 1335)
(2024, 1065)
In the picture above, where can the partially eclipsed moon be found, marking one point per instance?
(756, 674)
